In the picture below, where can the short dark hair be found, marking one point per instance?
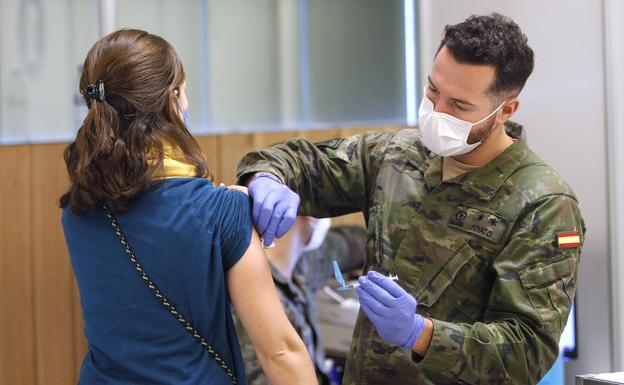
(492, 39)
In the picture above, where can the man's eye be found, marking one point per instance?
(433, 90)
(460, 107)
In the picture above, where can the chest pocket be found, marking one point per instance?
(429, 294)
(444, 274)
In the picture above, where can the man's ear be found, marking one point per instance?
(508, 110)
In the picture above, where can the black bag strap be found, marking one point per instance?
(166, 303)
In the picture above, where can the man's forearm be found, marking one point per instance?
(422, 343)
(248, 178)
(245, 180)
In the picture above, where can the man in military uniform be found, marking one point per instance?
(484, 236)
(301, 263)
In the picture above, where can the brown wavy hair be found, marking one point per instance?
(119, 146)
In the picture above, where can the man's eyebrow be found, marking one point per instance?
(454, 99)
(431, 82)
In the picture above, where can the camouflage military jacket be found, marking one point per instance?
(344, 244)
(480, 252)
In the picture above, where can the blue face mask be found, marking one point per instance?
(184, 114)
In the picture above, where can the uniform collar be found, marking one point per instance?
(433, 174)
(484, 182)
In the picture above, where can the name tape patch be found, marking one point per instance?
(481, 223)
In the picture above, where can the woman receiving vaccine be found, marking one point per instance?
(159, 253)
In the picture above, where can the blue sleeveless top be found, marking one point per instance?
(186, 233)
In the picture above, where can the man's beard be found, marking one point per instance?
(482, 135)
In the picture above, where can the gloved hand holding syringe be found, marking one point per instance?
(388, 306)
(343, 284)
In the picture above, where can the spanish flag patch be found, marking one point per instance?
(569, 240)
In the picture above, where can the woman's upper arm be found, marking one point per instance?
(255, 299)
(236, 226)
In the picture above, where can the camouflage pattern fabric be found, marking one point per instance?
(478, 252)
(344, 244)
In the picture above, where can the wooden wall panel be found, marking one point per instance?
(315, 136)
(265, 139)
(210, 146)
(53, 277)
(231, 149)
(348, 131)
(18, 358)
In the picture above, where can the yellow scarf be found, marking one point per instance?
(173, 168)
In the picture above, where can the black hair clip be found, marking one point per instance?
(96, 91)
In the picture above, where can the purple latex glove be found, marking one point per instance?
(274, 206)
(391, 309)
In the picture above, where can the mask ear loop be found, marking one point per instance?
(487, 117)
(176, 91)
(490, 115)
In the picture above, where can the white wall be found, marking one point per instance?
(357, 61)
(179, 22)
(614, 49)
(563, 111)
(41, 45)
(244, 77)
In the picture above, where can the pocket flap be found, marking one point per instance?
(543, 273)
(432, 291)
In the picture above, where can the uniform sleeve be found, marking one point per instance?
(344, 244)
(528, 306)
(236, 227)
(332, 178)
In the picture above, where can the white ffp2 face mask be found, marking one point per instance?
(445, 134)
